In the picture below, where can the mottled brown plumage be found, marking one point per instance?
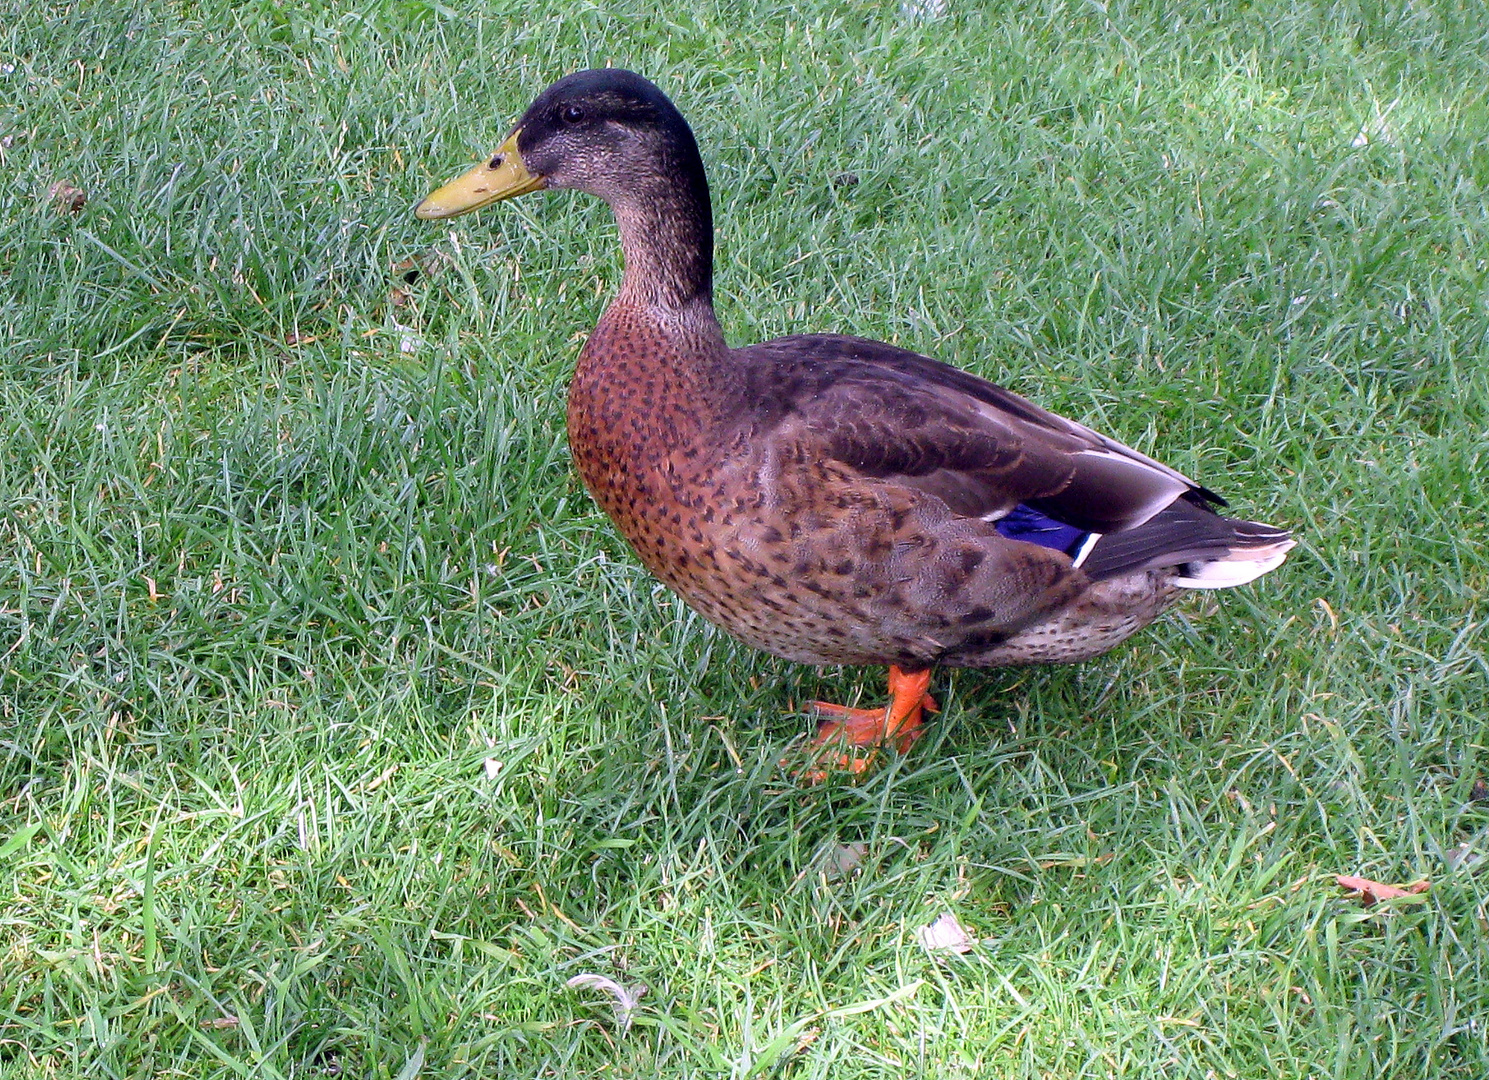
(829, 499)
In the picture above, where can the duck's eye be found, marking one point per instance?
(571, 114)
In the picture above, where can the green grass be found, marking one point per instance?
(274, 591)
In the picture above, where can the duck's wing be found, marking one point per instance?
(893, 414)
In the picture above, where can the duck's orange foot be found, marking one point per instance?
(899, 723)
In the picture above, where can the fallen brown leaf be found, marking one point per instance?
(842, 859)
(69, 199)
(1372, 892)
(406, 272)
(409, 269)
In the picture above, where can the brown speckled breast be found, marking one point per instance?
(646, 429)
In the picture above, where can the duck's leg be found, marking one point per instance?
(900, 721)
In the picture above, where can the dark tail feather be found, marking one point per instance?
(1209, 551)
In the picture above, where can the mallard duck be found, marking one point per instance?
(830, 499)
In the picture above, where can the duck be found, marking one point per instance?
(830, 499)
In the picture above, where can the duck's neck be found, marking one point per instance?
(666, 233)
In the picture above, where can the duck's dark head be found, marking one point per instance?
(608, 132)
(613, 134)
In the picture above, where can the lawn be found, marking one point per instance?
(339, 729)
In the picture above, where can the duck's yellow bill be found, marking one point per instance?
(500, 178)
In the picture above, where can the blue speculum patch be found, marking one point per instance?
(1027, 524)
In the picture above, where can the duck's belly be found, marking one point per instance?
(1101, 618)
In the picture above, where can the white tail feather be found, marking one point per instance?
(1086, 546)
(1237, 568)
